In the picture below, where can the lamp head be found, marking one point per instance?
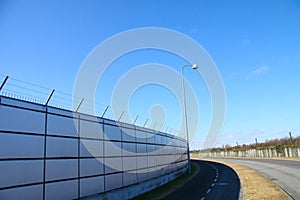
(195, 66)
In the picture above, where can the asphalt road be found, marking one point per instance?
(284, 173)
(213, 182)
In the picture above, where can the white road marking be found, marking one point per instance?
(221, 183)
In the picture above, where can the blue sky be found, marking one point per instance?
(255, 45)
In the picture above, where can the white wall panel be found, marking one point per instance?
(162, 149)
(129, 163)
(109, 121)
(172, 142)
(142, 162)
(113, 181)
(160, 160)
(159, 149)
(164, 140)
(129, 178)
(168, 159)
(141, 136)
(141, 149)
(60, 125)
(91, 148)
(150, 138)
(151, 148)
(129, 149)
(158, 139)
(90, 186)
(61, 169)
(175, 157)
(168, 140)
(91, 129)
(153, 172)
(21, 146)
(61, 147)
(91, 166)
(180, 150)
(152, 161)
(126, 125)
(62, 190)
(22, 193)
(58, 111)
(141, 129)
(112, 132)
(91, 118)
(23, 104)
(128, 134)
(160, 171)
(113, 165)
(142, 175)
(168, 150)
(112, 148)
(21, 120)
(21, 172)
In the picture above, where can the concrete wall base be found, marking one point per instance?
(137, 189)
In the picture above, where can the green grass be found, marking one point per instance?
(165, 190)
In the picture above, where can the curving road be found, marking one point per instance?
(214, 181)
(284, 173)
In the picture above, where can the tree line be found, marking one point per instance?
(268, 144)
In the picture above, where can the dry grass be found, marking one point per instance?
(255, 185)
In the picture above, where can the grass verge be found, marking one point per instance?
(255, 185)
(169, 188)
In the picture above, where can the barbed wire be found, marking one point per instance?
(31, 92)
(24, 88)
(21, 96)
(28, 83)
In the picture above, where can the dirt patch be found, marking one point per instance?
(255, 185)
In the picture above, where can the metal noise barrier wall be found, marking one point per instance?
(51, 153)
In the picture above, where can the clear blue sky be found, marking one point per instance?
(255, 45)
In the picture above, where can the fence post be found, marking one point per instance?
(145, 123)
(45, 142)
(3, 83)
(104, 112)
(135, 119)
(121, 116)
(49, 97)
(81, 101)
(78, 156)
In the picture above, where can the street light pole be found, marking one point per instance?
(194, 66)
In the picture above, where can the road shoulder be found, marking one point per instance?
(254, 184)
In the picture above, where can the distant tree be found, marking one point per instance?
(268, 144)
(297, 141)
